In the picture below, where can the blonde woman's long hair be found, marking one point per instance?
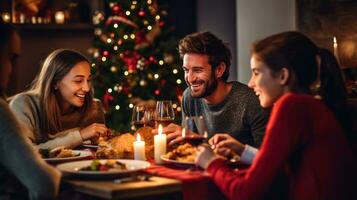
(54, 68)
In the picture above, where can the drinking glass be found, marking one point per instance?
(149, 117)
(138, 117)
(164, 113)
(197, 126)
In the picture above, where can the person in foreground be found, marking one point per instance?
(226, 107)
(303, 139)
(19, 162)
(59, 109)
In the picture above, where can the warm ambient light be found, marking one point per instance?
(6, 17)
(183, 132)
(59, 17)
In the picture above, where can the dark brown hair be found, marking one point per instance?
(206, 43)
(291, 50)
(297, 53)
(6, 32)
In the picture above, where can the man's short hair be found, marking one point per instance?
(206, 43)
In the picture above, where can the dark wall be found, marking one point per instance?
(183, 15)
(37, 44)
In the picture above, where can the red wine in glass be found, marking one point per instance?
(194, 139)
(164, 113)
(164, 122)
(138, 125)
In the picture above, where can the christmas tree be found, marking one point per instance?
(134, 59)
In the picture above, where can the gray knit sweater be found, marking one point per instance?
(20, 161)
(239, 114)
(27, 109)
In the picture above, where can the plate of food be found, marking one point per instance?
(182, 156)
(61, 154)
(103, 168)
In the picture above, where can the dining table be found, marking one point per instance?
(154, 188)
(158, 181)
(155, 182)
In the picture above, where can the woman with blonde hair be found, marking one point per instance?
(59, 109)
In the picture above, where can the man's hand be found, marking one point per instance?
(174, 133)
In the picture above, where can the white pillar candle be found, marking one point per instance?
(139, 148)
(335, 48)
(183, 132)
(159, 145)
(59, 17)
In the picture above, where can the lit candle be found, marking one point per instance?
(205, 135)
(59, 17)
(139, 148)
(183, 132)
(335, 48)
(159, 145)
(6, 17)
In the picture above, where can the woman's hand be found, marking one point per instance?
(226, 145)
(205, 156)
(93, 130)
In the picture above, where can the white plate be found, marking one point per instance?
(177, 163)
(72, 168)
(80, 155)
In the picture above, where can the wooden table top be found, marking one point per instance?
(109, 190)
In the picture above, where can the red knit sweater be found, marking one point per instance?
(304, 142)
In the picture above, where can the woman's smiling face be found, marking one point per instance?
(74, 86)
(267, 86)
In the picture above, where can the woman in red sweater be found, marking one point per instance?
(303, 142)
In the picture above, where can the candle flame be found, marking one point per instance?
(160, 129)
(183, 132)
(205, 134)
(138, 137)
(334, 40)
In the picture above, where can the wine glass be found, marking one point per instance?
(149, 117)
(138, 117)
(196, 128)
(164, 113)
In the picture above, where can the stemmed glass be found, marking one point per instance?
(138, 117)
(195, 124)
(142, 116)
(164, 113)
(149, 117)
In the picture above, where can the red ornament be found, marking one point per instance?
(126, 90)
(157, 92)
(141, 13)
(162, 23)
(151, 58)
(107, 98)
(116, 9)
(105, 53)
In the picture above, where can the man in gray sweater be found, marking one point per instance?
(226, 107)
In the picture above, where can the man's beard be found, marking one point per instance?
(209, 87)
